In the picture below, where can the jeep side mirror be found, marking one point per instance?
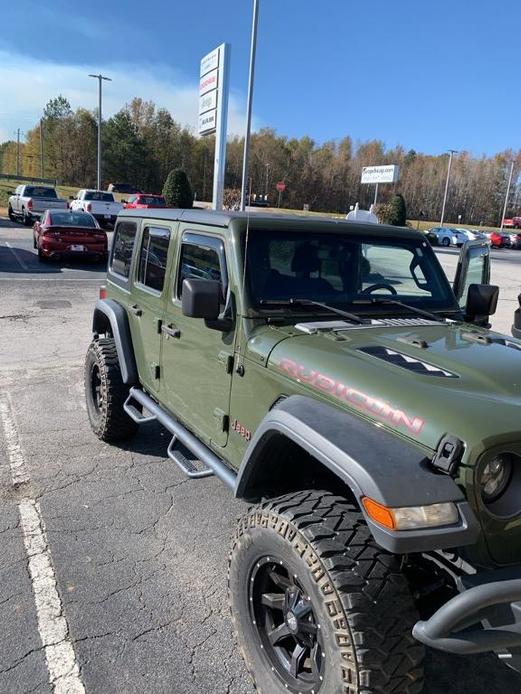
(201, 298)
(481, 302)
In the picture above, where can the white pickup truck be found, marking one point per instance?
(100, 203)
(29, 202)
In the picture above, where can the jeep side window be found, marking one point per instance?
(197, 261)
(153, 257)
(124, 238)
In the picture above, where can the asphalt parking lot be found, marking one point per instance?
(112, 563)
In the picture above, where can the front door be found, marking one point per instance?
(147, 302)
(197, 361)
(473, 268)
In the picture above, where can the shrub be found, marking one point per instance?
(232, 199)
(177, 190)
(396, 211)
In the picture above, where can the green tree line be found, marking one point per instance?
(143, 143)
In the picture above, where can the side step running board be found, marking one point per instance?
(134, 413)
(197, 449)
(186, 460)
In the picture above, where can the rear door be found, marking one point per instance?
(147, 300)
(197, 361)
(473, 268)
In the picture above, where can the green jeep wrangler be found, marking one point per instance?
(328, 373)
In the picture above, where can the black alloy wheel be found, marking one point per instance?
(286, 624)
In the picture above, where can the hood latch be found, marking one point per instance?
(448, 454)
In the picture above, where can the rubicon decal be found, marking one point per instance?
(357, 398)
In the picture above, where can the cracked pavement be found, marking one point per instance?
(139, 551)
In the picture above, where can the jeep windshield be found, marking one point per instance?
(345, 271)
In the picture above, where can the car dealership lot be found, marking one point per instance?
(138, 553)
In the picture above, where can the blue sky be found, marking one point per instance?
(427, 75)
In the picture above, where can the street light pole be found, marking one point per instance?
(251, 77)
(507, 195)
(99, 77)
(451, 153)
(41, 148)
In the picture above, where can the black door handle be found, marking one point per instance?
(135, 310)
(171, 331)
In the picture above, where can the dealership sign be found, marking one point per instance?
(380, 174)
(213, 110)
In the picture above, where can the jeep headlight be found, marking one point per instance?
(495, 477)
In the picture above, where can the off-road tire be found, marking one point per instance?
(108, 420)
(359, 594)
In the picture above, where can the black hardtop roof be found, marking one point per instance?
(264, 220)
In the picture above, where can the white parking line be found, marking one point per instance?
(62, 666)
(19, 260)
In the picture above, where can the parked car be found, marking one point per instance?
(101, 204)
(514, 223)
(464, 235)
(28, 202)
(123, 188)
(500, 239)
(69, 233)
(444, 236)
(144, 201)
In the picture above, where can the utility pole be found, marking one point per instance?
(41, 148)
(451, 154)
(251, 77)
(99, 77)
(507, 195)
(18, 152)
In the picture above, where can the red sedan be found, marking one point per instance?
(71, 233)
(145, 201)
(500, 239)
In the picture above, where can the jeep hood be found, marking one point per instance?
(419, 378)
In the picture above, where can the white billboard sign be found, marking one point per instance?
(207, 122)
(209, 62)
(380, 174)
(213, 110)
(208, 101)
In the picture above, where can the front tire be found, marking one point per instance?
(445, 242)
(106, 393)
(10, 214)
(316, 605)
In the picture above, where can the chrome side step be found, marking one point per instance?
(186, 460)
(197, 450)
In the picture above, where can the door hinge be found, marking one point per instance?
(159, 325)
(157, 371)
(222, 420)
(227, 359)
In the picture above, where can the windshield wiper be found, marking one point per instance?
(309, 302)
(394, 302)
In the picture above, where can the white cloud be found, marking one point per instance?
(28, 85)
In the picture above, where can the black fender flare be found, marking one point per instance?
(109, 312)
(371, 461)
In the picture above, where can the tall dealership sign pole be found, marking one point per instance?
(100, 78)
(507, 195)
(213, 111)
(251, 77)
(452, 152)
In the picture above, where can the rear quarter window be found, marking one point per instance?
(123, 247)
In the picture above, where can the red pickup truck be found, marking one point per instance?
(514, 223)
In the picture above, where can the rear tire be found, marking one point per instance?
(106, 393)
(41, 257)
(307, 559)
(26, 219)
